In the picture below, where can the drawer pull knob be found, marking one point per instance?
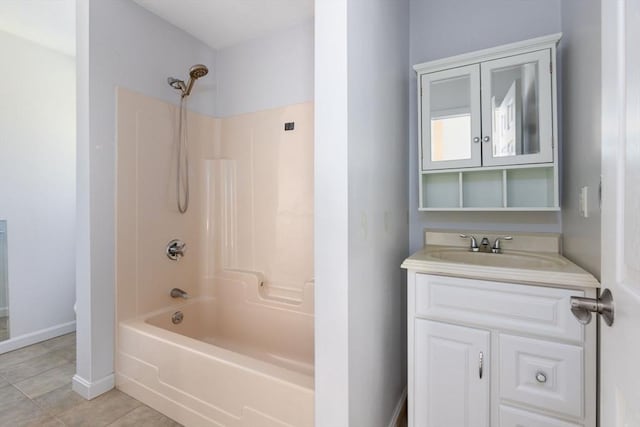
(541, 377)
(480, 364)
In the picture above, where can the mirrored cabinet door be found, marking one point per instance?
(516, 110)
(450, 109)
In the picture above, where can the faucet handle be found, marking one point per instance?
(175, 249)
(474, 243)
(496, 249)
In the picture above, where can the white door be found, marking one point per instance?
(620, 344)
(451, 371)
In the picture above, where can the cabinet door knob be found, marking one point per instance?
(476, 139)
(486, 138)
(541, 377)
(480, 364)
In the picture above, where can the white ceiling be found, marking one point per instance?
(222, 23)
(50, 23)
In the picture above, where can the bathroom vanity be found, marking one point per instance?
(488, 129)
(492, 341)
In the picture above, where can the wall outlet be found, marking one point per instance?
(584, 202)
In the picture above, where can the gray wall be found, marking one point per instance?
(378, 233)
(360, 212)
(581, 94)
(442, 28)
(37, 188)
(119, 44)
(269, 72)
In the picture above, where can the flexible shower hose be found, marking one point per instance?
(182, 172)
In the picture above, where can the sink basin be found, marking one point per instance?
(517, 264)
(523, 260)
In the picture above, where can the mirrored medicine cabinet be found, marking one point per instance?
(488, 130)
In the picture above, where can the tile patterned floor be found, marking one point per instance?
(35, 390)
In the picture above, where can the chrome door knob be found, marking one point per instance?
(486, 138)
(476, 139)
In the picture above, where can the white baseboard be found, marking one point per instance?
(90, 390)
(398, 410)
(36, 337)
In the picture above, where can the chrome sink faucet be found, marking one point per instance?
(484, 244)
(474, 243)
(496, 248)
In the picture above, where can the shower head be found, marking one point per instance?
(198, 71)
(195, 73)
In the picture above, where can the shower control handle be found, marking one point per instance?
(175, 249)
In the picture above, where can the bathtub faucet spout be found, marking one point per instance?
(178, 293)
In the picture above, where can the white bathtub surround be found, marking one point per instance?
(243, 355)
(236, 359)
(220, 244)
(251, 210)
(264, 195)
(147, 217)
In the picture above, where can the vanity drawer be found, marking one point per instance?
(542, 374)
(530, 309)
(512, 417)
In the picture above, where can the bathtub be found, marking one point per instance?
(236, 359)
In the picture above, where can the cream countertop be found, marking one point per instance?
(545, 266)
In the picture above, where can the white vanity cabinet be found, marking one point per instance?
(488, 129)
(493, 354)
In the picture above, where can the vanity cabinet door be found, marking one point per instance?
(450, 118)
(451, 376)
(517, 116)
